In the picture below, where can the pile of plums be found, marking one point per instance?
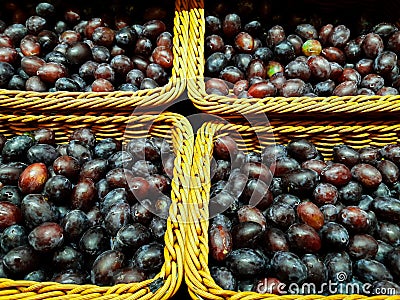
(287, 216)
(76, 51)
(83, 212)
(259, 61)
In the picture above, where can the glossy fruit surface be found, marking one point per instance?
(319, 218)
(246, 262)
(310, 214)
(46, 237)
(69, 210)
(330, 59)
(311, 47)
(58, 42)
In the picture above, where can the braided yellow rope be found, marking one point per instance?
(117, 100)
(324, 134)
(226, 106)
(168, 125)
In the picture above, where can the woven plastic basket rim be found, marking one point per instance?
(197, 274)
(222, 105)
(117, 100)
(171, 274)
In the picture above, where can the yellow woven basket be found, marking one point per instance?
(178, 132)
(323, 134)
(117, 100)
(226, 106)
